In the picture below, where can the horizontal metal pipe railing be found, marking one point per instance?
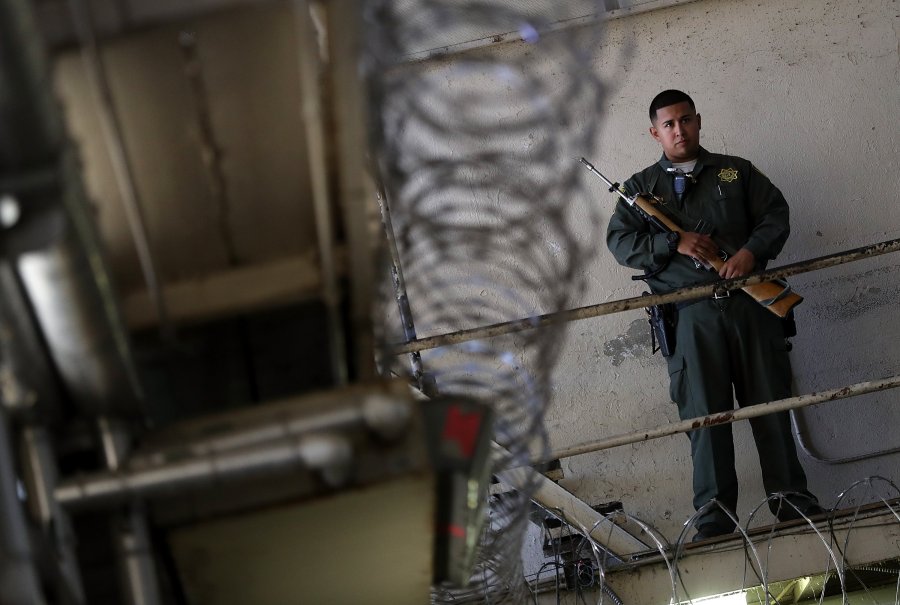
(638, 302)
(745, 413)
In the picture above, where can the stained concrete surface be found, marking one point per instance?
(809, 91)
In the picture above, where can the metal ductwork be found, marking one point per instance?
(48, 236)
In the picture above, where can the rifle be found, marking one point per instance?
(775, 295)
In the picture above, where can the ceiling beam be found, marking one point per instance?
(231, 292)
(113, 18)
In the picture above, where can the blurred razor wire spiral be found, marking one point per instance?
(476, 160)
(870, 504)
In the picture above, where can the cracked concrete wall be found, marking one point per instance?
(809, 91)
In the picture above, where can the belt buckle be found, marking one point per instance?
(719, 294)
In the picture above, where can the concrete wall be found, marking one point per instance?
(809, 91)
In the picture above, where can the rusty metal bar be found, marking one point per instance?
(611, 10)
(637, 302)
(752, 411)
(425, 381)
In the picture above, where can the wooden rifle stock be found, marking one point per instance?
(776, 297)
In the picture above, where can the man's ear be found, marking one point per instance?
(655, 133)
(698, 122)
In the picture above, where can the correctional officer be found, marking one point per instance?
(727, 341)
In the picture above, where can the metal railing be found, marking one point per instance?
(637, 302)
(744, 413)
(682, 294)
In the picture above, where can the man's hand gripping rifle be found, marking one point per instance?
(775, 295)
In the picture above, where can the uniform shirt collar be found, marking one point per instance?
(704, 158)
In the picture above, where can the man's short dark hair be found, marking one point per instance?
(666, 98)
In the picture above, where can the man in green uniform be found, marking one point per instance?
(723, 345)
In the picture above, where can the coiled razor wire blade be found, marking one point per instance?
(476, 158)
(757, 554)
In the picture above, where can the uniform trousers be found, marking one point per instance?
(727, 349)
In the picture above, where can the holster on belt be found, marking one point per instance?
(663, 320)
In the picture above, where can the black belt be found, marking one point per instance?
(716, 296)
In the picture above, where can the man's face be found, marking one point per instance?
(677, 128)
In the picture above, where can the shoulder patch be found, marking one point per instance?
(728, 175)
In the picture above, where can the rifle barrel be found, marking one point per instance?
(776, 297)
(613, 187)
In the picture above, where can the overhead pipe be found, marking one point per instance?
(134, 550)
(38, 461)
(81, 326)
(54, 244)
(19, 579)
(31, 390)
(375, 411)
(316, 436)
(329, 454)
(131, 535)
(32, 139)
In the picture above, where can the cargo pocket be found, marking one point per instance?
(678, 384)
